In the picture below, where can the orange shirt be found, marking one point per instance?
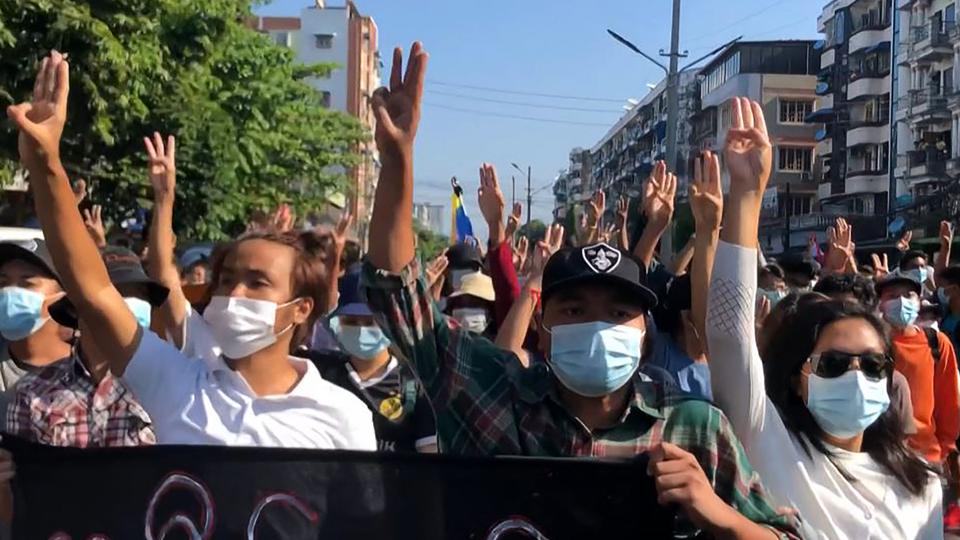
(933, 391)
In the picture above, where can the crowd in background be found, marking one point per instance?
(808, 397)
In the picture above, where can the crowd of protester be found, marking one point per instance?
(807, 397)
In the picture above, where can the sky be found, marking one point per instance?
(559, 48)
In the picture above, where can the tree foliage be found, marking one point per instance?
(429, 243)
(250, 132)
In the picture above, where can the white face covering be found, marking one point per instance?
(473, 319)
(243, 326)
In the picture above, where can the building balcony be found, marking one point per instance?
(828, 58)
(868, 84)
(825, 147)
(931, 42)
(927, 106)
(823, 190)
(926, 163)
(868, 133)
(869, 36)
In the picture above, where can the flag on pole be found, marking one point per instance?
(460, 227)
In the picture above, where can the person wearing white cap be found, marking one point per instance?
(472, 304)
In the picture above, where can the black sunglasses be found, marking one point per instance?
(832, 364)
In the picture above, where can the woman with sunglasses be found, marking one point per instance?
(815, 420)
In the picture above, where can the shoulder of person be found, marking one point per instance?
(323, 360)
(690, 413)
(41, 381)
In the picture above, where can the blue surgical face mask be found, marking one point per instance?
(596, 358)
(20, 311)
(363, 342)
(774, 296)
(900, 312)
(943, 298)
(141, 310)
(919, 275)
(847, 405)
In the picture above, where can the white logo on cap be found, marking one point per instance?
(601, 258)
(29, 245)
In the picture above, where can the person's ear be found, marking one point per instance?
(302, 310)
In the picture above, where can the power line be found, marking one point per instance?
(714, 33)
(523, 93)
(522, 103)
(516, 117)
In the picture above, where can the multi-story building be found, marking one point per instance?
(622, 160)
(430, 216)
(781, 76)
(927, 51)
(570, 185)
(854, 146)
(340, 35)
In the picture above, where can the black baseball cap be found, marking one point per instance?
(33, 251)
(464, 255)
(600, 263)
(125, 271)
(898, 278)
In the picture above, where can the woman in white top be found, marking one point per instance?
(817, 425)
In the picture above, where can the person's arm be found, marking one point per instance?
(659, 194)
(500, 251)
(946, 395)
(683, 259)
(74, 254)
(162, 169)
(736, 369)
(512, 334)
(594, 213)
(946, 243)
(332, 254)
(706, 201)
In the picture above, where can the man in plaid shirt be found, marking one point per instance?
(587, 399)
(77, 401)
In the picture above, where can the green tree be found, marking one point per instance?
(429, 243)
(535, 231)
(251, 133)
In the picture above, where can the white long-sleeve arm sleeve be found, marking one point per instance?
(736, 371)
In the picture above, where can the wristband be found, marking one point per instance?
(535, 294)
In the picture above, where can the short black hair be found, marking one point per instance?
(912, 254)
(771, 269)
(950, 275)
(854, 284)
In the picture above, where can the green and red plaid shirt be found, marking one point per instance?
(488, 404)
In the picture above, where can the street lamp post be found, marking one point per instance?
(529, 194)
(673, 93)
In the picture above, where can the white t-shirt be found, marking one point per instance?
(194, 402)
(874, 505)
(198, 341)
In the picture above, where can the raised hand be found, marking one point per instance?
(841, 247)
(436, 269)
(706, 195)
(881, 265)
(595, 207)
(334, 248)
(551, 243)
(946, 233)
(283, 218)
(162, 162)
(903, 244)
(748, 153)
(41, 120)
(659, 195)
(93, 220)
(490, 200)
(623, 211)
(397, 108)
(609, 232)
(80, 191)
(513, 221)
(520, 254)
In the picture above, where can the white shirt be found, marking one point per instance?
(197, 340)
(873, 506)
(194, 402)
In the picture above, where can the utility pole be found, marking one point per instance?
(513, 194)
(788, 213)
(529, 195)
(673, 115)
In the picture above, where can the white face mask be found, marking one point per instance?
(472, 319)
(243, 326)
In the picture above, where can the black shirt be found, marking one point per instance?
(402, 416)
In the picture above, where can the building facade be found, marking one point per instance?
(781, 76)
(340, 35)
(570, 185)
(927, 114)
(430, 216)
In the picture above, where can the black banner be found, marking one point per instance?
(185, 492)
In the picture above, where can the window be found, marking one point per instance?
(793, 111)
(795, 159)
(948, 81)
(324, 41)
(282, 39)
(800, 205)
(325, 98)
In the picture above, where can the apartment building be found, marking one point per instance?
(927, 112)
(572, 183)
(854, 139)
(781, 76)
(624, 157)
(343, 36)
(430, 216)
